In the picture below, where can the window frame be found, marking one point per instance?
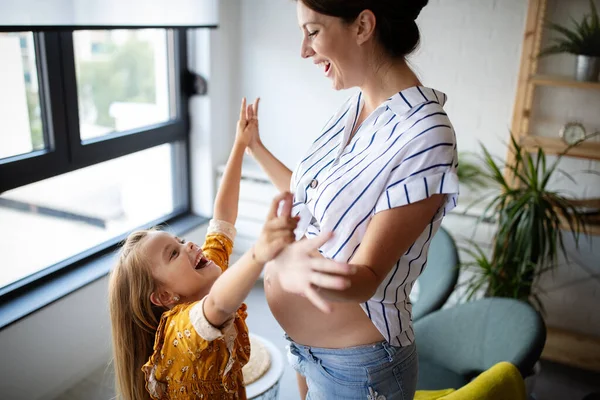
(65, 152)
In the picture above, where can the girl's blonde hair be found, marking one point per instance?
(134, 318)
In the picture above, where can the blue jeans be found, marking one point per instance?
(377, 371)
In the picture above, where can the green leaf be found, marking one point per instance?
(572, 36)
(530, 220)
(594, 16)
(582, 39)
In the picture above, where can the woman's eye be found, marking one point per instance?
(311, 34)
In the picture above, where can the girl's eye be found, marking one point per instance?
(174, 254)
(312, 34)
(182, 241)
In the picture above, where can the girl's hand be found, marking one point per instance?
(247, 126)
(278, 231)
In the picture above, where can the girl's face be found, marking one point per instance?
(179, 267)
(333, 46)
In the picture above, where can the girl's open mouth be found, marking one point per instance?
(201, 261)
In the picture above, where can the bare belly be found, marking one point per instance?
(346, 326)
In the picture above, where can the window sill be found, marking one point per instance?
(42, 293)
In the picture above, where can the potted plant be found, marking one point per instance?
(469, 173)
(530, 218)
(583, 40)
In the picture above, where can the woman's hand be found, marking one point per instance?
(247, 126)
(278, 231)
(301, 269)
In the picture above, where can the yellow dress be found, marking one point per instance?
(193, 359)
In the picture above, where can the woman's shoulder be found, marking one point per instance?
(422, 115)
(417, 99)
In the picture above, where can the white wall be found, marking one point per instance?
(215, 55)
(471, 50)
(296, 99)
(47, 352)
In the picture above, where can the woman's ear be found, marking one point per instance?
(366, 23)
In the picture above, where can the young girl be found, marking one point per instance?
(178, 321)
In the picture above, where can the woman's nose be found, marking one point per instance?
(305, 50)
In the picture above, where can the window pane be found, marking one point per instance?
(20, 115)
(122, 80)
(49, 221)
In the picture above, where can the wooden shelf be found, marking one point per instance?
(563, 81)
(592, 220)
(593, 229)
(572, 348)
(550, 145)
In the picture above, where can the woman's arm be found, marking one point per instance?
(278, 173)
(388, 237)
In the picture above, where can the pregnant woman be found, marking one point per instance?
(381, 176)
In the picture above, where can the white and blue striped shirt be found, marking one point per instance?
(404, 152)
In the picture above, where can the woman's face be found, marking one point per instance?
(332, 45)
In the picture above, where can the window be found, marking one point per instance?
(122, 80)
(94, 152)
(48, 221)
(19, 102)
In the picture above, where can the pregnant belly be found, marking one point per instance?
(346, 326)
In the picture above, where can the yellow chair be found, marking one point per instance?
(501, 382)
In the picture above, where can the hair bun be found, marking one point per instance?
(412, 8)
(396, 28)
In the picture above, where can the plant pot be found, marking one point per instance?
(588, 68)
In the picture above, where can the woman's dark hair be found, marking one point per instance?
(396, 28)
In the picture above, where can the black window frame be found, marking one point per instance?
(65, 152)
(60, 114)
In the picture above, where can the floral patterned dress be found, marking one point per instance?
(193, 359)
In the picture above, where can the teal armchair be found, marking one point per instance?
(457, 344)
(439, 278)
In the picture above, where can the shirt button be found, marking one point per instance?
(314, 183)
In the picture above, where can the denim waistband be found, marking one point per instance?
(356, 355)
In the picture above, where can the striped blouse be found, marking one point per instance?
(404, 152)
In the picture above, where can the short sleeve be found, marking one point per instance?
(218, 243)
(425, 166)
